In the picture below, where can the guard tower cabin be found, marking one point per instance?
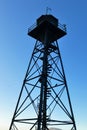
(49, 26)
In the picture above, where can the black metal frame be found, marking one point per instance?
(44, 94)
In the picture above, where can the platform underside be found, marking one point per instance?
(53, 32)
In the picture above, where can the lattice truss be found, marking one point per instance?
(58, 106)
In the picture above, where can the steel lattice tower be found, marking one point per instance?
(44, 102)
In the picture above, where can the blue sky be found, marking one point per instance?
(16, 49)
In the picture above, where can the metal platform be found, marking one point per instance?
(38, 31)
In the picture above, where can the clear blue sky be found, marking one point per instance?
(16, 49)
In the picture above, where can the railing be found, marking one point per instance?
(32, 27)
(60, 26)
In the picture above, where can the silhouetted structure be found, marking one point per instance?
(44, 100)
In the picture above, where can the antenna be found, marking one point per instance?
(47, 10)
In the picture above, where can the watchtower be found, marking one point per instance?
(44, 101)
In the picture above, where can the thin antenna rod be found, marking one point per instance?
(48, 9)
